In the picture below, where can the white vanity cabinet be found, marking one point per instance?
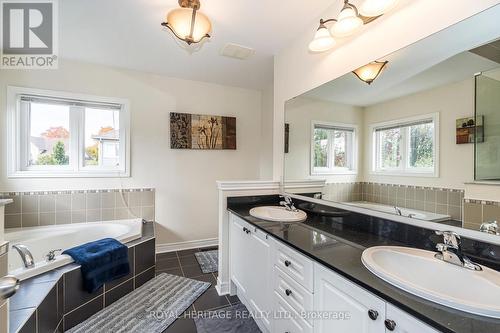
(352, 309)
(250, 267)
(271, 277)
(404, 323)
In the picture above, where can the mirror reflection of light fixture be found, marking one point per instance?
(323, 40)
(188, 23)
(368, 73)
(349, 21)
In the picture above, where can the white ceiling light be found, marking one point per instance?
(349, 21)
(188, 23)
(323, 40)
(377, 7)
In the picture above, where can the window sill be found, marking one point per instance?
(406, 174)
(335, 173)
(49, 174)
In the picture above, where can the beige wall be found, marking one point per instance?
(300, 113)
(452, 102)
(298, 71)
(186, 195)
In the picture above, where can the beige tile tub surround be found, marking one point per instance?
(431, 199)
(31, 209)
(478, 211)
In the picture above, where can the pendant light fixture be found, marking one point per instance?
(368, 73)
(187, 23)
(349, 21)
(373, 8)
(323, 40)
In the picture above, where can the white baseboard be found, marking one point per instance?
(162, 248)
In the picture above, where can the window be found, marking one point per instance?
(67, 135)
(406, 146)
(333, 148)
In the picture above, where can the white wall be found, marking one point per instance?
(186, 197)
(452, 102)
(266, 136)
(297, 71)
(300, 112)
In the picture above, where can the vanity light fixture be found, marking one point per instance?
(349, 21)
(368, 73)
(187, 23)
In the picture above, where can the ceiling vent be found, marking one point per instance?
(237, 51)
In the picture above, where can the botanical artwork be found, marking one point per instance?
(190, 131)
(467, 129)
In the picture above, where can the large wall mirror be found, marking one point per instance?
(408, 142)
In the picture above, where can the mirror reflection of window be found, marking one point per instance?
(333, 149)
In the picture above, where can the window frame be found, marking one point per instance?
(18, 137)
(354, 150)
(404, 169)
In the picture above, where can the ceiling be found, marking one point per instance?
(440, 59)
(127, 34)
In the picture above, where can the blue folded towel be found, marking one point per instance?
(101, 261)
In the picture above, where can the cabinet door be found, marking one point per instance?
(404, 323)
(259, 290)
(240, 251)
(349, 308)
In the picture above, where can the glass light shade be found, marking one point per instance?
(347, 23)
(180, 19)
(322, 41)
(373, 8)
(370, 72)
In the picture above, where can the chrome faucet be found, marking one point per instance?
(451, 251)
(25, 254)
(398, 210)
(51, 256)
(288, 203)
(489, 228)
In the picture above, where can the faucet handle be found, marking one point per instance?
(450, 238)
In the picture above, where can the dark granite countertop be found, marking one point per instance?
(337, 241)
(34, 290)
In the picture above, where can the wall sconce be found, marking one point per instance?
(188, 23)
(349, 21)
(368, 73)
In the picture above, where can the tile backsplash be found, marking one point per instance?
(430, 199)
(31, 209)
(478, 211)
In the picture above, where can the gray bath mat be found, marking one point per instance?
(208, 260)
(150, 308)
(233, 319)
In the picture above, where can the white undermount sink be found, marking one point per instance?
(419, 273)
(278, 214)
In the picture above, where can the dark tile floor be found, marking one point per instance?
(184, 263)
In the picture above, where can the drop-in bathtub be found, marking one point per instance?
(41, 240)
(413, 213)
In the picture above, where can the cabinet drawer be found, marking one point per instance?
(297, 266)
(293, 293)
(287, 320)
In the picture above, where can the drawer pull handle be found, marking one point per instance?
(287, 263)
(288, 292)
(373, 314)
(390, 324)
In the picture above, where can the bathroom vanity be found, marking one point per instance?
(309, 277)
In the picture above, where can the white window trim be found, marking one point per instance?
(335, 171)
(17, 140)
(413, 172)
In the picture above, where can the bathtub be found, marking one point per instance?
(416, 214)
(40, 240)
